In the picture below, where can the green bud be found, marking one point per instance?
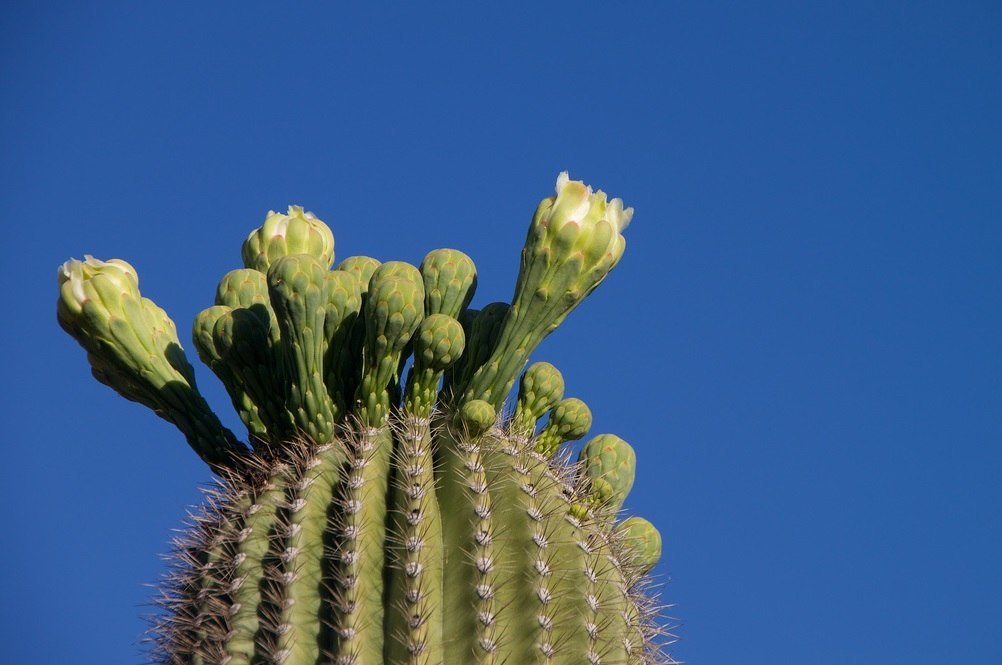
(411, 274)
(243, 287)
(344, 296)
(641, 541)
(344, 302)
(252, 375)
(396, 269)
(569, 421)
(362, 267)
(201, 334)
(296, 232)
(349, 370)
(297, 286)
(487, 325)
(600, 492)
(611, 465)
(450, 280)
(393, 310)
(476, 416)
(542, 386)
(240, 339)
(438, 344)
(248, 289)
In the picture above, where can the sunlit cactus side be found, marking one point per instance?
(388, 507)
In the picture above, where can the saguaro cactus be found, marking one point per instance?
(388, 511)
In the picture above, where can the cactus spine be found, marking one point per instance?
(377, 517)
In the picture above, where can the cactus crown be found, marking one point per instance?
(378, 515)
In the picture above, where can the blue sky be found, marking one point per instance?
(801, 342)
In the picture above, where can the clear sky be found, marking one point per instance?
(802, 339)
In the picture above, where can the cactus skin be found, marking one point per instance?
(379, 520)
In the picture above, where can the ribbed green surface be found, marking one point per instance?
(482, 562)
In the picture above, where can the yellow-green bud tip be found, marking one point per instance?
(296, 232)
(576, 202)
(74, 276)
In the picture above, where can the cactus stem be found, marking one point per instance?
(197, 596)
(358, 607)
(470, 552)
(307, 498)
(259, 515)
(415, 623)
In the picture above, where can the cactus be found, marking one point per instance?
(377, 517)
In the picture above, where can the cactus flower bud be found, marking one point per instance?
(133, 348)
(450, 280)
(393, 310)
(344, 302)
(201, 334)
(576, 219)
(297, 287)
(477, 416)
(79, 281)
(100, 305)
(542, 386)
(243, 287)
(611, 465)
(569, 421)
(574, 240)
(438, 343)
(248, 288)
(396, 269)
(296, 232)
(642, 541)
(348, 373)
(362, 267)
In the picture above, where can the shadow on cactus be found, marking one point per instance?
(377, 517)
